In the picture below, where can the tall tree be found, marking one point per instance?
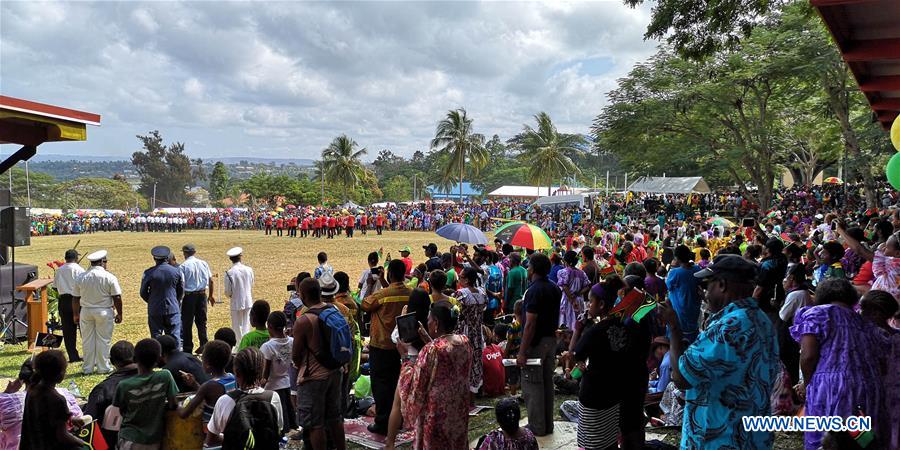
(100, 193)
(456, 139)
(218, 182)
(699, 28)
(342, 161)
(548, 152)
(165, 169)
(198, 171)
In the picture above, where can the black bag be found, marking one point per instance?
(253, 424)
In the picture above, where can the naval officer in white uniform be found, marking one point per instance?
(239, 288)
(97, 306)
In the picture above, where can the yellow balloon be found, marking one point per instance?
(895, 133)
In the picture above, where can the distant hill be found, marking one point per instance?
(46, 157)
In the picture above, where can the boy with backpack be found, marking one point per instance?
(322, 346)
(248, 417)
(143, 400)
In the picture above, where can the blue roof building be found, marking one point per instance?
(468, 192)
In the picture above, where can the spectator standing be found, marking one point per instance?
(384, 361)
(46, 415)
(277, 353)
(728, 372)
(143, 400)
(180, 364)
(121, 355)
(516, 283)
(197, 280)
(684, 292)
(541, 305)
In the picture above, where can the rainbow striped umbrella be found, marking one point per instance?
(525, 235)
(833, 180)
(720, 222)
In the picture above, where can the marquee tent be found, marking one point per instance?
(670, 185)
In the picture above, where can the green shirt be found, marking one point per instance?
(516, 282)
(451, 278)
(142, 402)
(255, 338)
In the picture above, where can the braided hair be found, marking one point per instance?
(508, 415)
(248, 365)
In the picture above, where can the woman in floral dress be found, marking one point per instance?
(574, 284)
(472, 302)
(433, 398)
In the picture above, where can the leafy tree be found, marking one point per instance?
(100, 193)
(342, 161)
(41, 186)
(218, 182)
(548, 152)
(166, 167)
(456, 139)
(398, 189)
(699, 28)
(198, 172)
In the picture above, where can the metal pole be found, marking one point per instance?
(607, 183)
(27, 184)
(153, 206)
(322, 171)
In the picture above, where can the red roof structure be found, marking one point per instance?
(867, 33)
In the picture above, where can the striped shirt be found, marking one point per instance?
(384, 306)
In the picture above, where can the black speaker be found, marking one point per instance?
(13, 309)
(15, 226)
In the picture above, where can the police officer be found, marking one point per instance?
(197, 279)
(96, 307)
(162, 288)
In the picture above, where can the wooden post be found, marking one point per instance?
(36, 308)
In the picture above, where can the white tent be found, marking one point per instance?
(530, 191)
(350, 205)
(670, 185)
(561, 200)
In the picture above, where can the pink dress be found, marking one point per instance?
(434, 396)
(887, 273)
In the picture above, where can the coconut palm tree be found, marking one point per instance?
(341, 161)
(455, 139)
(547, 151)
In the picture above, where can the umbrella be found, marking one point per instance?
(291, 207)
(720, 222)
(461, 232)
(279, 209)
(833, 180)
(524, 235)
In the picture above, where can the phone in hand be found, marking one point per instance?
(748, 222)
(408, 327)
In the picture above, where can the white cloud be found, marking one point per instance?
(234, 78)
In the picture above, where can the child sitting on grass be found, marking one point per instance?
(144, 398)
(216, 354)
(259, 313)
(46, 416)
(510, 436)
(277, 353)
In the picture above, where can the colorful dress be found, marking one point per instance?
(433, 396)
(575, 279)
(887, 272)
(892, 389)
(472, 302)
(848, 373)
(498, 440)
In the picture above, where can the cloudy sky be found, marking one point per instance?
(281, 79)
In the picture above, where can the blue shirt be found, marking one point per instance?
(196, 274)
(162, 289)
(554, 269)
(685, 297)
(665, 374)
(731, 368)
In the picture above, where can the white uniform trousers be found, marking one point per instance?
(96, 335)
(240, 322)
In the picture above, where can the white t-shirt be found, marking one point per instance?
(364, 290)
(224, 406)
(278, 352)
(793, 302)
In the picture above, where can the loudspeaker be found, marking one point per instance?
(15, 226)
(12, 309)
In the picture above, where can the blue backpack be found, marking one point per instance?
(336, 347)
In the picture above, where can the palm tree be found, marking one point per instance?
(341, 162)
(547, 151)
(455, 139)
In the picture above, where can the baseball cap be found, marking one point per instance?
(732, 267)
(406, 249)
(431, 246)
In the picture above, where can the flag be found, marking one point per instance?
(92, 435)
(636, 304)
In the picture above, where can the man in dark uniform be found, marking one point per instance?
(162, 288)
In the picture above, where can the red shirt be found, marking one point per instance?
(268, 221)
(332, 222)
(363, 220)
(494, 372)
(379, 220)
(294, 221)
(305, 224)
(279, 223)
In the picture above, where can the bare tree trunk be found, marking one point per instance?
(838, 99)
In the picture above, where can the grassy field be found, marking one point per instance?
(274, 260)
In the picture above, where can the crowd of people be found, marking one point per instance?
(648, 309)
